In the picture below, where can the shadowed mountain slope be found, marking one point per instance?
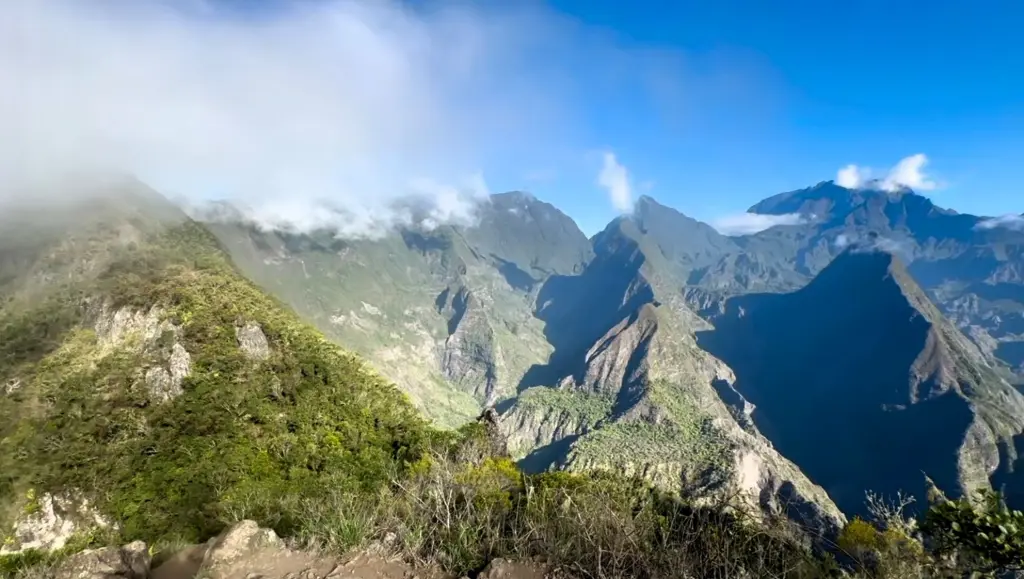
(860, 380)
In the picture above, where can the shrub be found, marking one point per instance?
(982, 534)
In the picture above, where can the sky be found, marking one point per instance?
(329, 112)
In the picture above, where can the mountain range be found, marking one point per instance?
(663, 346)
(874, 340)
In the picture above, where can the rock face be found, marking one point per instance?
(165, 383)
(131, 561)
(470, 357)
(51, 522)
(253, 341)
(147, 332)
(451, 318)
(633, 392)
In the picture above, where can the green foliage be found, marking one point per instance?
(986, 536)
(461, 515)
(859, 535)
(697, 448)
(586, 407)
(245, 435)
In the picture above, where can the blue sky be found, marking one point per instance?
(823, 84)
(707, 106)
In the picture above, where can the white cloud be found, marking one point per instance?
(338, 108)
(614, 178)
(901, 248)
(851, 177)
(1011, 221)
(750, 223)
(841, 241)
(907, 173)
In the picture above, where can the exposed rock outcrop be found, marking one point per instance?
(470, 355)
(165, 383)
(116, 328)
(526, 427)
(253, 341)
(10, 386)
(50, 522)
(131, 561)
(151, 333)
(506, 569)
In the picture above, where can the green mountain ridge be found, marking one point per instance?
(447, 313)
(115, 405)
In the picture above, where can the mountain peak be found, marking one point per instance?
(646, 201)
(513, 197)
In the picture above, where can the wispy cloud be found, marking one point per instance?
(329, 113)
(1015, 222)
(907, 173)
(346, 104)
(750, 223)
(614, 178)
(873, 241)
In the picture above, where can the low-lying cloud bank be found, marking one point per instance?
(1015, 222)
(750, 223)
(431, 206)
(327, 114)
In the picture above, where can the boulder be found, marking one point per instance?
(243, 540)
(128, 562)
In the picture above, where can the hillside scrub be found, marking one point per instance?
(307, 419)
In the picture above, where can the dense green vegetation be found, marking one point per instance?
(244, 434)
(584, 407)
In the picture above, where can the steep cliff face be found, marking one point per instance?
(860, 381)
(444, 311)
(642, 397)
(471, 355)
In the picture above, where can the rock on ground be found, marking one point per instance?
(505, 569)
(246, 551)
(253, 341)
(49, 527)
(129, 562)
